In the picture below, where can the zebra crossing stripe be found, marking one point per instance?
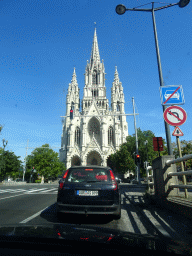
(29, 191)
(12, 191)
(48, 190)
(35, 190)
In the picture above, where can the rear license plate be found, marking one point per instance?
(87, 193)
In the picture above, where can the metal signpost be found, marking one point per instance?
(174, 115)
(177, 116)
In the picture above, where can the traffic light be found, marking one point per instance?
(138, 159)
(71, 114)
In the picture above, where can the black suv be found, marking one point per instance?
(89, 190)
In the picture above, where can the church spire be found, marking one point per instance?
(73, 100)
(116, 76)
(95, 57)
(117, 95)
(95, 79)
(74, 78)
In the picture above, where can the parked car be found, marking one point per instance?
(89, 190)
(19, 180)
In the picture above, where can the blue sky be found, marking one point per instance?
(42, 41)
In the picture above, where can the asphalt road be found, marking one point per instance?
(36, 205)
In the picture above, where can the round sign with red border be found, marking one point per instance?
(175, 115)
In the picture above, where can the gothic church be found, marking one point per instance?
(96, 131)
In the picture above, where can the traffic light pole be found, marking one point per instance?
(137, 149)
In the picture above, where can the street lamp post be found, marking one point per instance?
(121, 9)
(4, 145)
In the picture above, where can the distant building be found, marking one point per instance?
(94, 132)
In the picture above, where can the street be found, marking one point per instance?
(36, 205)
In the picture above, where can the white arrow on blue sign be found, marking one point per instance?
(172, 95)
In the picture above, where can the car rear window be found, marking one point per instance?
(88, 175)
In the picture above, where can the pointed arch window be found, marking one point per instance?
(77, 136)
(110, 136)
(94, 127)
(94, 77)
(118, 106)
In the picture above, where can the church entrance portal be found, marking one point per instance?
(94, 158)
(75, 161)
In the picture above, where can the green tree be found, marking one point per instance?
(186, 149)
(146, 151)
(122, 161)
(45, 161)
(10, 164)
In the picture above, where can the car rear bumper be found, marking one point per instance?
(89, 209)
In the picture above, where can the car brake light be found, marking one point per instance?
(113, 179)
(61, 184)
(65, 175)
(112, 175)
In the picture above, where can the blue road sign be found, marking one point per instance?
(172, 95)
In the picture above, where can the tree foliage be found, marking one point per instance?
(124, 158)
(186, 149)
(121, 161)
(45, 161)
(146, 150)
(10, 165)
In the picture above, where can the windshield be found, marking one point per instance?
(81, 90)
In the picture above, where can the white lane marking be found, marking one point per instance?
(42, 193)
(33, 216)
(11, 196)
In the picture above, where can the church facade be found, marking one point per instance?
(96, 131)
